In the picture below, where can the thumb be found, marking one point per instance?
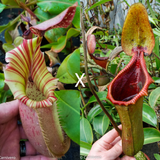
(115, 151)
(8, 111)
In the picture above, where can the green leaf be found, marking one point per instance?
(110, 46)
(69, 112)
(7, 47)
(53, 34)
(61, 43)
(157, 156)
(156, 79)
(68, 68)
(113, 68)
(151, 11)
(5, 95)
(5, 26)
(85, 148)
(94, 112)
(153, 97)
(156, 31)
(76, 19)
(156, 51)
(2, 7)
(8, 37)
(151, 20)
(86, 131)
(151, 135)
(11, 3)
(152, 86)
(102, 96)
(149, 115)
(55, 7)
(18, 41)
(101, 123)
(43, 16)
(2, 83)
(97, 4)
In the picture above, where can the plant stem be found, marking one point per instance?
(118, 66)
(82, 99)
(152, 67)
(127, 3)
(94, 78)
(31, 3)
(83, 109)
(99, 43)
(89, 82)
(156, 55)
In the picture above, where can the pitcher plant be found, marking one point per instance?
(127, 89)
(31, 83)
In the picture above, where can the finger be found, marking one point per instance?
(109, 137)
(22, 133)
(39, 157)
(30, 150)
(116, 140)
(114, 152)
(128, 158)
(8, 111)
(98, 147)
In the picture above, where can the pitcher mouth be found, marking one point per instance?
(131, 83)
(24, 61)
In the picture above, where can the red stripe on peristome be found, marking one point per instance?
(50, 98)
(24, 99)
(48, 102)
(30, 104)
(43, 103)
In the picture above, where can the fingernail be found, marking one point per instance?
(120, 142)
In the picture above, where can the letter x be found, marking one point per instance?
(79, 80)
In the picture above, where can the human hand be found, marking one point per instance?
(108, 147)
(11, 133)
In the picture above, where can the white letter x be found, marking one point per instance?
(79, 80)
